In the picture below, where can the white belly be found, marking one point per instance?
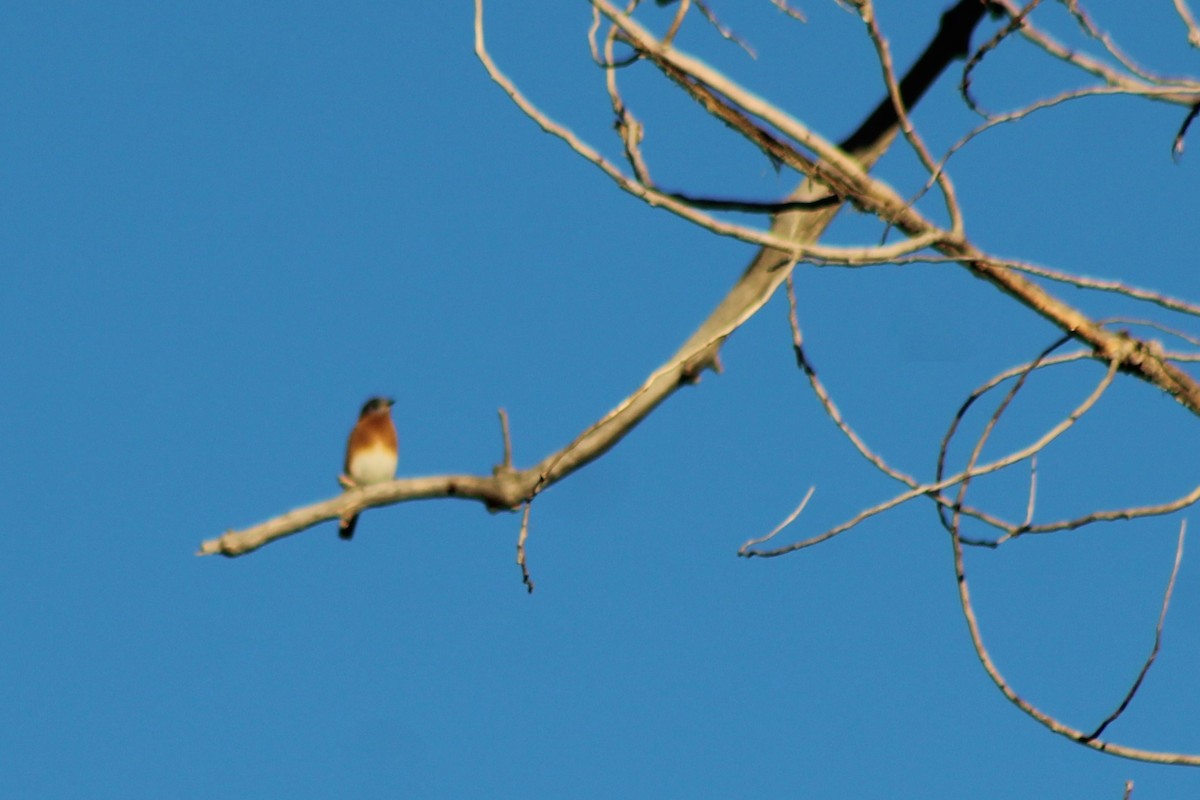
(373, 466)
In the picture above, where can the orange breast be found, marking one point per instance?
(372, 453)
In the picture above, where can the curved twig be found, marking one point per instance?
(788, 520)
(934, 490)
(1158, 629)
(959, 415)
(1049, 722)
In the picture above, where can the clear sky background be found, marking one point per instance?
(225, 225)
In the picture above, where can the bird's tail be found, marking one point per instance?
(346, 528)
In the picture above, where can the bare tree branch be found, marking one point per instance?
(791, 233)
(832, 175)
(847, 179)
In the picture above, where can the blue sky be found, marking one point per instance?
(225, 226)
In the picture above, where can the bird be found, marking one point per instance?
(372, 452)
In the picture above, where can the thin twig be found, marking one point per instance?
(1114, 515)
(1091, 29)
(1101, 285)
(1029, 507)
(1185, 14)
(521, 537)
(1021, 377)
(794, 13)
(826, 400)
(669, 36)
(724, 30)
(1178, 142)
(997, 120)
(1170, 90)
(994, 420)
(866, 10)
(1158, 629)
(787, 521)
(507, 463)
(1015, 22)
